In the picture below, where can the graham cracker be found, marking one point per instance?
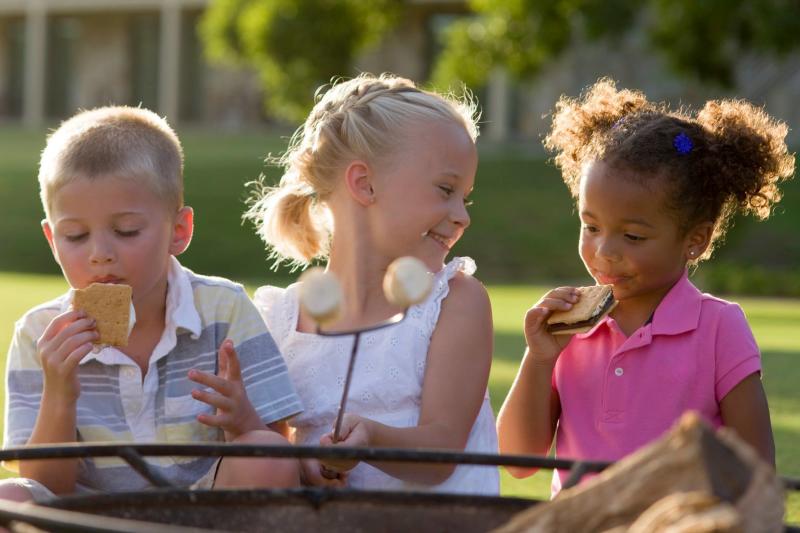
(110, 305)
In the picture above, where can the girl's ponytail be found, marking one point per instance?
(747, 156)
(581, 125)
(290, 219)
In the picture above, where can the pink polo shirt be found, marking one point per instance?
(618, 393)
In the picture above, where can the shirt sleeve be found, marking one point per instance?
(23, 388)
(264, 371)
(737, 354)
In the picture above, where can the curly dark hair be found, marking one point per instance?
(730, 157)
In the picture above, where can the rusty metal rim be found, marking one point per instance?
(65, 514)
(71, 521)
(313, 496)
(133, 452)
(74, 450)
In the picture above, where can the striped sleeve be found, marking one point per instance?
(23, 380)
(264, 371)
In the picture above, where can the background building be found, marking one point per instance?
(60, 55)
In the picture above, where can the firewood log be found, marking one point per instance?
(691, 457)
(688, 512)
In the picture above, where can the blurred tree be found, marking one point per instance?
(297, 45)
(701, 39)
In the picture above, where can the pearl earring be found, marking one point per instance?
(691, 253)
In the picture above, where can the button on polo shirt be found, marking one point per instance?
(618, 393)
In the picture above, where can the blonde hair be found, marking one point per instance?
(123, 142)
(356, 119)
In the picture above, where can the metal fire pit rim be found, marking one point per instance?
(421, 455)
(313, 495)
(132, 452)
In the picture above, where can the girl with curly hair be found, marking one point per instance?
(656, 190)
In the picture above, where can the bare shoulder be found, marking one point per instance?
(467, 299)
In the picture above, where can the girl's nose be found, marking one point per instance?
(460, 215)
(606, 250)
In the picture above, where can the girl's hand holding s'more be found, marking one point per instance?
(543, 346)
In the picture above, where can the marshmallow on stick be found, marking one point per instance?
(407, 281)
(320, 294)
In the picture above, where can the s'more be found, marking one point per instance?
(594, 303)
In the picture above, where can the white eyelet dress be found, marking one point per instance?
(386, 384)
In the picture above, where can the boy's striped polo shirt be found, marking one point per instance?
(118, 404)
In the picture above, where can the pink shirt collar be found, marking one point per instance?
(678, 312)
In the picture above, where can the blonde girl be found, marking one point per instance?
(383, 169)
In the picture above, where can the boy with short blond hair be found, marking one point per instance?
(111, 182)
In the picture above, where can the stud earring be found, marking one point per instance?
(691, 253)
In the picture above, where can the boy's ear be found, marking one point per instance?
(698, 239)
(182, 230)
(358, 178)
(48, 234)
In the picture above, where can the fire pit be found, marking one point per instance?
(174, 509)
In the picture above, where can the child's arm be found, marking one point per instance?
(527, 420)
(62, 346)
(457, 371)
(745, 409)
(236, 414)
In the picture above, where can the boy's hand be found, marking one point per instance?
(235, 414)
(544, 346)
(354, 432)
(313, 474)
(62, 346)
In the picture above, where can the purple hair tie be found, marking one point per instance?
(682, 143)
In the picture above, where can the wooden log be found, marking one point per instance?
(691, 457)
(685, 512)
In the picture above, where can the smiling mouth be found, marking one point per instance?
(446, 243)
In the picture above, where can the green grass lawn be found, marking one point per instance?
(523, 229)
(774, 322)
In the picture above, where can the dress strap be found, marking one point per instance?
(441, 287)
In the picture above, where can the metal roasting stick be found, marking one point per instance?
(337, 427)
(396, 319)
